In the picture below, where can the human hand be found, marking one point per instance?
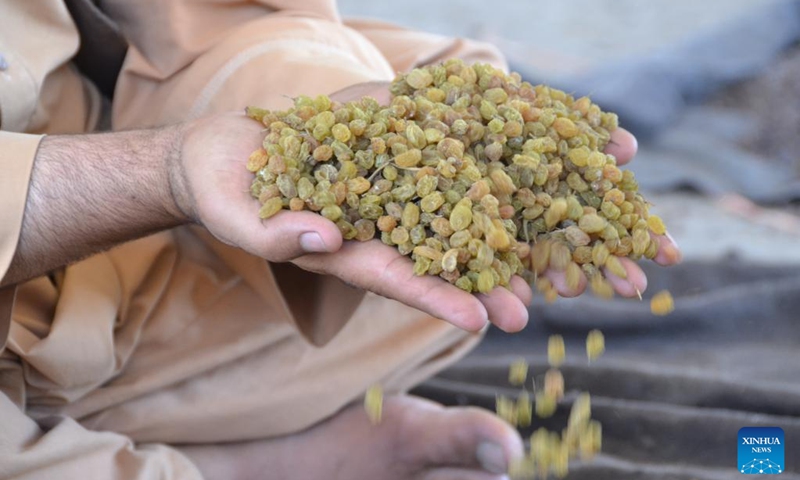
(223, 204)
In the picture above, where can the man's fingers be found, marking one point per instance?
(559, 280)
(292, 234)
(627, 287)
(633, 285)
(623, 146)
(381, 269)
(668, 251)
(283, 237)
(505, 309)
(522, 290)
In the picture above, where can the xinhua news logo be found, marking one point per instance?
(761, 450)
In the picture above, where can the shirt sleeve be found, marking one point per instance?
(406, 49)
(39, 92)
(61, 448)
(17, 152)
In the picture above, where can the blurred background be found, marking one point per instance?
(712, 90)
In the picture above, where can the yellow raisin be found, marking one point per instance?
(656, 225)
(270, 207)
(554, 383)
(518, 372)
(373, 404)
(662, 303)
(595, 344)
(555, 350)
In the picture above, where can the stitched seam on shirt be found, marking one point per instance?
(7, 296)
(18, 121)
(216, 82)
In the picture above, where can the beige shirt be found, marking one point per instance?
(176, 338)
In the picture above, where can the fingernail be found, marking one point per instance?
(671, 239)
(491, 457)
(676, 248)
(312, 242)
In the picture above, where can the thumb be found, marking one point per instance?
(286, 236)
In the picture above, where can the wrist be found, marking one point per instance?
(179, 201)
(88, 193)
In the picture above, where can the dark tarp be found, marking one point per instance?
(671, 392)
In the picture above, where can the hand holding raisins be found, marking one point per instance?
(224, 204)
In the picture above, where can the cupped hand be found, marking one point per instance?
(623, 146)
(211, 186)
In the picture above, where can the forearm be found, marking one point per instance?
(91, 192)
